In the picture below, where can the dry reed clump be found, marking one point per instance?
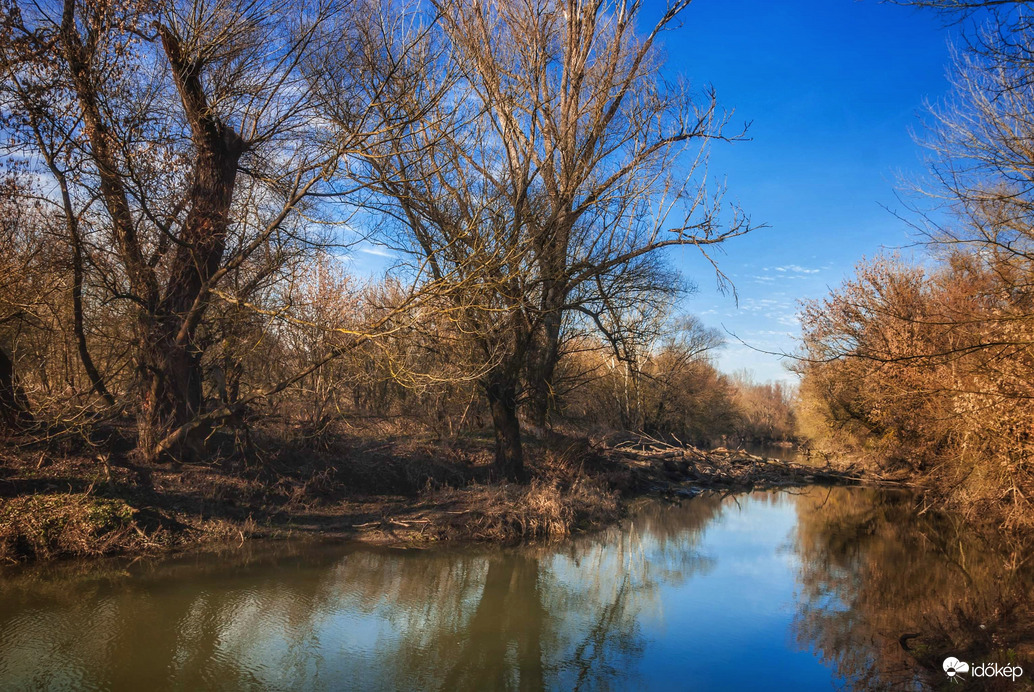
(226, 532)
(43, 526)
(542, 510)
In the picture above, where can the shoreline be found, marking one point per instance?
(75, 506)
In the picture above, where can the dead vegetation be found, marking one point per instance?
(405, 489)
(926, 368)
(728, 469)
(65, 523)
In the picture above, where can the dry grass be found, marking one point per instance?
(510, 513)
(42, 526)
(397, 490)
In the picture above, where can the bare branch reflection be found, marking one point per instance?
(887, 592)
(528, 618)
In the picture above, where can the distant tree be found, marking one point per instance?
(962, 5)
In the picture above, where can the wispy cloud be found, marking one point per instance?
(378, 251)
(796, 269)
(784, 272)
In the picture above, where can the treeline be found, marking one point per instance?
(676, 393)
(929, 367)
(185, 179)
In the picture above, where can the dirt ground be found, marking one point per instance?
(396, 490)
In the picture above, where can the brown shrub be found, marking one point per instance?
(930, 372)
(42, 526)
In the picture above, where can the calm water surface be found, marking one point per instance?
(806, 590)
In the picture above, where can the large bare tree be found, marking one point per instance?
(558, 165)
(192, 134)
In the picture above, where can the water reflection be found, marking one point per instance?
(798, 591)
(888, 592)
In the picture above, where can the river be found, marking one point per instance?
(767, 590)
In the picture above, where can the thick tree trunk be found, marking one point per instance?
(14, 405)
(171, 396)
(170, 362)
(542, 371)
(501, 391)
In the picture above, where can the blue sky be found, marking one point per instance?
(834, 90)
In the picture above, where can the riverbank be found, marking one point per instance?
(852, 583)
(402, 490)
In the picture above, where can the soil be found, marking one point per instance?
(97, 499)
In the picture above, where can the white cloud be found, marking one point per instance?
(378, 251)
(796, 269)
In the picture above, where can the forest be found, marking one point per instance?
(187, 186)
(306, 264)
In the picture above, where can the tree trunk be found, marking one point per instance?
(542, 370)
(501, 391)
(96, 381)
(171, 396)
(542, 358)
(170, 361)
(72, 224)
(14, 405)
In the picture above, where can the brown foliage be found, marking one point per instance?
(931, 371)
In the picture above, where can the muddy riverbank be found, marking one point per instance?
(399, 491)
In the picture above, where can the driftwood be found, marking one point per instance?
(683, 468)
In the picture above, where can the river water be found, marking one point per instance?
(768, 590)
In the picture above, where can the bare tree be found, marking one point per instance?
(557, 163)
(193, 132)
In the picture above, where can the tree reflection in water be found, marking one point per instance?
(632, 607)
(888, 592)
(543, 617)
(444, 619)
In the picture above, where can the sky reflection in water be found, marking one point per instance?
(773, 590)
